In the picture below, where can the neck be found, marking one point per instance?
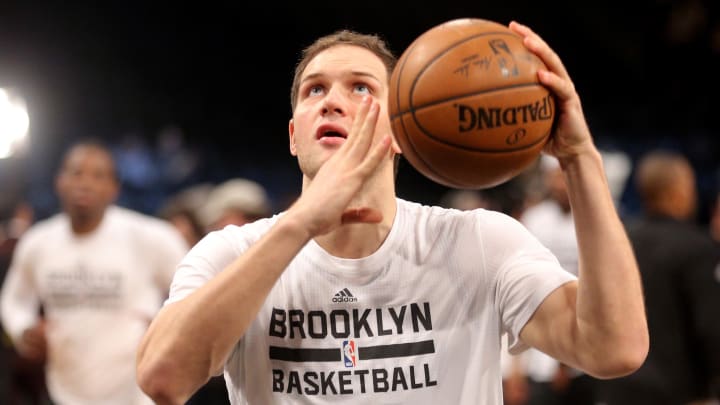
(353, 241)
(82, 225)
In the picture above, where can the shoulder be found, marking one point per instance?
(234, 238)
(250, 231)
(121, 215)
(41, 234)
(46, 228)
(143, 226)
(451, 219)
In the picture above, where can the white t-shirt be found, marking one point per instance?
(99, 293)
(419, 321)
(556, 230)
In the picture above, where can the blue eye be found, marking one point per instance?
(315, 90)
(362, 88)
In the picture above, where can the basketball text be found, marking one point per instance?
(478, 118)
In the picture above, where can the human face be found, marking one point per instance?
(331, 89)
(86, 184)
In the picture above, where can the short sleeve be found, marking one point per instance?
(212, 254)
(525, 273)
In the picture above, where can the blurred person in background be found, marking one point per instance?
(464, 199)
(22, 381)
(100, 273)
(182, 210)
(235, 202)
(680, 266)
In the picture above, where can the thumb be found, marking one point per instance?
(361, 215)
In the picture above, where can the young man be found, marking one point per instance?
(100, 272)
(355, 295)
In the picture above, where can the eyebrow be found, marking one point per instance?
(354, 73)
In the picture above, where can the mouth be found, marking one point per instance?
(331, 131)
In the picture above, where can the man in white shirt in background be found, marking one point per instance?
(100, 273)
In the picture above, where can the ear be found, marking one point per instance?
(395, 146)
(291, 132)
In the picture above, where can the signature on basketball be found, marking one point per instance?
(501, 55)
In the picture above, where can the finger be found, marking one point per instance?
(366, 130)
(538, 46)
(379, 152)
(357, 125)
(361, 215)
(563, 89)
(31, 351)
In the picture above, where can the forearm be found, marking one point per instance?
(610, 314)
(19, 305)
(189, 340)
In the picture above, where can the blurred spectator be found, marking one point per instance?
(464, 199)
(100, 272)
(679, 264)
(182, 210)
(237, 202)
(22, 381)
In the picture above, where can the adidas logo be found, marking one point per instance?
(344, 295)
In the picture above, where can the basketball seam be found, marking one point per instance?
(468, 148)
(445, 100)
(481, 150)
(446, 50)
(408, 140)
(412, 109)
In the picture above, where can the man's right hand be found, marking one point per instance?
(33, 345)
(325, 205)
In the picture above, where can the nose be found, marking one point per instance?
(335, 102)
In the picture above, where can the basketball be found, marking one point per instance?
(466, 106)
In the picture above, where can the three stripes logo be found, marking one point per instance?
(344, 295)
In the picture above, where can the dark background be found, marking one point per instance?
(647, 71)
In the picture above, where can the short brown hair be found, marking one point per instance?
(659, 171)
(371, 42)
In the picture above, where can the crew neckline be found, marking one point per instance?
(362, 269)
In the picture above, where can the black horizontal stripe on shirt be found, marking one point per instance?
(364, 353)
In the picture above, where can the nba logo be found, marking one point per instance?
(349, 353)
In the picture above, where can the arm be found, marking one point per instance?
(598, 323)
(189, 340)
(20, 306)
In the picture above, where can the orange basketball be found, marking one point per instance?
(466, 105)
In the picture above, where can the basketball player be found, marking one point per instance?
(355, 295)
(100, 273)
